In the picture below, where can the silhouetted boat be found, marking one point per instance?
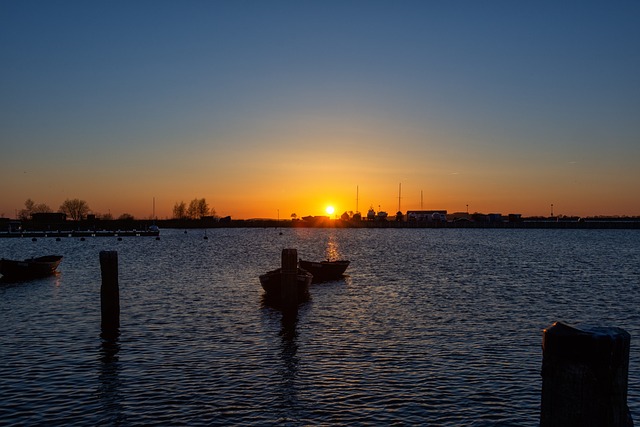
(325, 270)
(29, 268)
(271, 281)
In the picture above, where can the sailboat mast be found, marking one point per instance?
(357, 195)
(399, 195)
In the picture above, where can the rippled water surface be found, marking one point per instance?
(431, 327)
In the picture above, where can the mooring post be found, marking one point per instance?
(289, 268)
(584, 377)
(109, 293)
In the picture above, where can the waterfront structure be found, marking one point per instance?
(439, 215)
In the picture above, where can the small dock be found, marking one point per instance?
(80, 233)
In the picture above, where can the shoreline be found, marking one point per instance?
(141, 228)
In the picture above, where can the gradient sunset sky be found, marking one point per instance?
(268, 108)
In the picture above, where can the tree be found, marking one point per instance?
(192, 210)
(30, 207)
(41, 208)
(75, 209)
(203, 208)
(197, 209)
(126, 217)
(180, 210)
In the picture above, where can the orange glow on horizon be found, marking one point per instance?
(284, 198)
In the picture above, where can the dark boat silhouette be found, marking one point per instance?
(324, 271)
(271, 281)
(30, 268)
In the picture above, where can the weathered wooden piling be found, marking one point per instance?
(584, 377)
(109, 293)
(288, 285)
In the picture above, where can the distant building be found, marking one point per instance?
(459, 216)
(315, 219)
(515, 217)
(48, 221)
(479, 217)
(427, 216)
(10, 225)
(47, 218)
(495, 217)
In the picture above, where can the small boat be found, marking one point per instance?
(325, 270)
(29, 268)
(271, 281)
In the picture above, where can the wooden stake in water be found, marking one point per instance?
(289, 269)
(584, 377)
(109, 293)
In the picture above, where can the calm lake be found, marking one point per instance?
(438, 327)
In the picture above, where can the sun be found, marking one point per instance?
(330, 210)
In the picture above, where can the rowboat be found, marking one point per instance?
(325, 270)
(271, 283)
(30, 268)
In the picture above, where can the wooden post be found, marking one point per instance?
(288, 285)
(584, 377)
(109, 293)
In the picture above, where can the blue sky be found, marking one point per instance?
(262, 106)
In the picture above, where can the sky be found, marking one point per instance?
(273, 108)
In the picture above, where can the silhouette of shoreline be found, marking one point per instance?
(96, 228)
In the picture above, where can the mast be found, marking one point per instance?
(399, 195)
(357, 191)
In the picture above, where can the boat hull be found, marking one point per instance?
(271, 283)
(31, 268)
(326, 270)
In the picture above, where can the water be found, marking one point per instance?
(431, 327)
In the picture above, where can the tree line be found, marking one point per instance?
(77, 209)
(196, 209)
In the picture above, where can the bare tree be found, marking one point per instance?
(192, 210)
(41, 208)
(25, 213)
(30, 207)
(75, 209)
(180, 210)
(198, 208)
(203, 208)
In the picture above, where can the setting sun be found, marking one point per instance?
(330, 210)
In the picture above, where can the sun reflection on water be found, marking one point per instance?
(332, 250)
